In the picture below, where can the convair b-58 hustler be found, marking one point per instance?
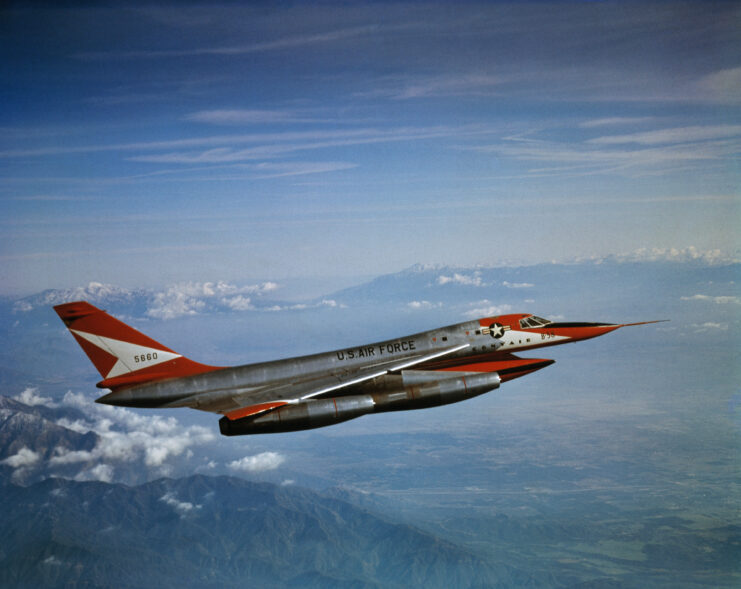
(426, 369)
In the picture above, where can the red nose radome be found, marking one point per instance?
(582, 331)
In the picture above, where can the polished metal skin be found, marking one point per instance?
(425, 369)
(321, 412)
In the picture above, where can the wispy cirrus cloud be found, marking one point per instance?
(297, 142)
(448, 84)
(722, 86)
(610, 121)
(249, 117)
(265, 144)
(287, 42)
(51, 198)
(271, 170)
(718, 300)
(673, 135)
(195, 142)
(631, 154)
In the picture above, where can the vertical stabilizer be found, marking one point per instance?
(123, 355)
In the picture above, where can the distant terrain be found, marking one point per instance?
(615, 467)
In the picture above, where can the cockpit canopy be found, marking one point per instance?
(533, 321)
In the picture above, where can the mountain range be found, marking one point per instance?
(612, 468)
(219, 531)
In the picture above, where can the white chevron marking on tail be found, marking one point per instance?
(131, 357)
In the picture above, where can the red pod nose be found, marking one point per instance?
(517, 367)
(508, 366)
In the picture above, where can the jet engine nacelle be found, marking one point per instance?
(321, 412)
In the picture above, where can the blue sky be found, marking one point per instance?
(159, 143)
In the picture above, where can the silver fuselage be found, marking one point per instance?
(229, 388)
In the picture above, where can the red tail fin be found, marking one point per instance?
(123, 356)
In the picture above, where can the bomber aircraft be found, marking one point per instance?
(426, 369)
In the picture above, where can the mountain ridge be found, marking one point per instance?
(204, 531)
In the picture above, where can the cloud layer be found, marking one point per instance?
(257, 463)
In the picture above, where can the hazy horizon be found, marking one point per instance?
(154, 144)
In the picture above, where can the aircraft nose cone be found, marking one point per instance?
(580, 331)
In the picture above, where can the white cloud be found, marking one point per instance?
(331, 303)
(22, 307)
(464, 279)
(258, 462)
(239, 303)
(688, 254)
(517, 284)
(182, 507)
(488, 310)
(710, 326)
(52, 561)
(173, 303)
(78, 425)
(25, 457)
(191, 298)
(93, 292)
(423, 305)
(99, 472)
(721, 300)
(64, 456)
(31, 397)
(125, 436)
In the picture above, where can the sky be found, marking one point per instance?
(156, 143)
